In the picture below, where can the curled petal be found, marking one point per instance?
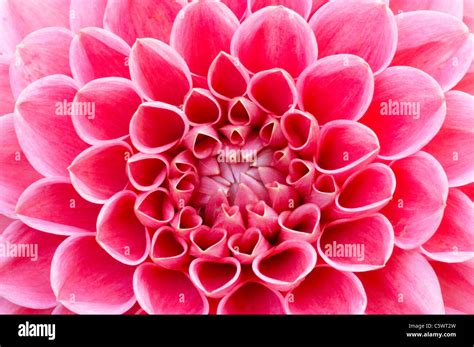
(147, 132)
(302, 7)
(264, 218)
(227, 78)
(201, 107)
(230, 219)
(182, 188)
(97, 53)
(186, 221)
(169, 250)
(52, 205)
(453, 143)
(365, 28)
(162, 291)
(147, 171)
(182, 163)
(242, 111)
(42, 53)
(248, 245)
(442, 48)
(150, 59)
(236, 134)
(119, 231)
(209, 243)
(43, 125)
(215, 277)
(274, 91)
(271, 134)
(7, 100)
(418, 203)
(323, 191)
(146, 18)
(16, 173)
(302, 132)
(203, 141)
(453, 241)
(336, 87)
(359, 244)
(214, 206)
(282, 197)
(201, 31)
(24, 277)
(100, 171)
(327, 291)
(282, 159)
(208, 166)
(344, 147)
(275, 37)
(389, 291)
(154, 208)
(103, 108)
(283, 267)
(86, 13)
(302, 223)
(87, 280)
(454, 7)
(252, 298)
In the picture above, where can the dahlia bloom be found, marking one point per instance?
(236, 157)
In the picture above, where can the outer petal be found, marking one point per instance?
(7, 101)
(275, 37)
(469, 14)
(161, 291)
(467, 82)
(159, 72)
(453, 144)
(99, 172)
(87, 280)
(366, 28)
(336, 87)
(442, 48)
(24, 275)
(44, 128)
(406, 101)
(201, 30)
(454, 239)
(406, 285)
(227, 78)
(16, 173)
(52, 205)
(86, 13)
(7, 307)
(131, 19)
(453, 7)
(97, 53)
(239, 7)
(419, 200)
(42, 53)
(302, 7)
(327, 291)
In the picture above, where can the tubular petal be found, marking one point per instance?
(246, 246)
(186, 221)
(154, 208)
(227, 78)
(323, 191)
(201, 107)
(203, 141)
(264, 218)
(301, 223)
(169, 250)
(242, 111)
(302, 132)
(147, 171)
(209, 243)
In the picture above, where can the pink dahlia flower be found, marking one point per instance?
(236, 157)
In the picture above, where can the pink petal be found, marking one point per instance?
(452, 145)
(467, 82)
(468, 16)
(97, 53)
(468, 189)
(302, 7)
(457, 285)
(327, 291)
(282, 159)
(182, 163)
(100, 101)
(119, 231)
(24, 277)
(42, 53)
(169, 250)
(365, 28)
(453, 241)
(302, 132)
(336, 87)
(182, 188)
(275, 37)
(443, 48)
(230, 219)
(215, 277)
(227, 78)
(242, 111)
(201, 107)
(87, 280)
(7, 101)
(86, 13)
(264, 218)
(252, 298)
(390, 292)
(214, 206)
(209, 243)
(16, 173)
(239, 7)
(317, 4)
(7, 307)
(358, 244)
(145, 18)
(418, 203)
(323, 191)
(201, 31)
(453, 7)
(161, 291)
(53, 205)
(100, 171)
(186, 221)
(203, 141)
(146, 128)
(282, 197)
(154, 208)
(284, 266)
(247, 246)
(44, 128)
(344, 147)
(302, 223)
(236, 134)
(150, 59)
(147, 171)
(271, 134)
(406, 101)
